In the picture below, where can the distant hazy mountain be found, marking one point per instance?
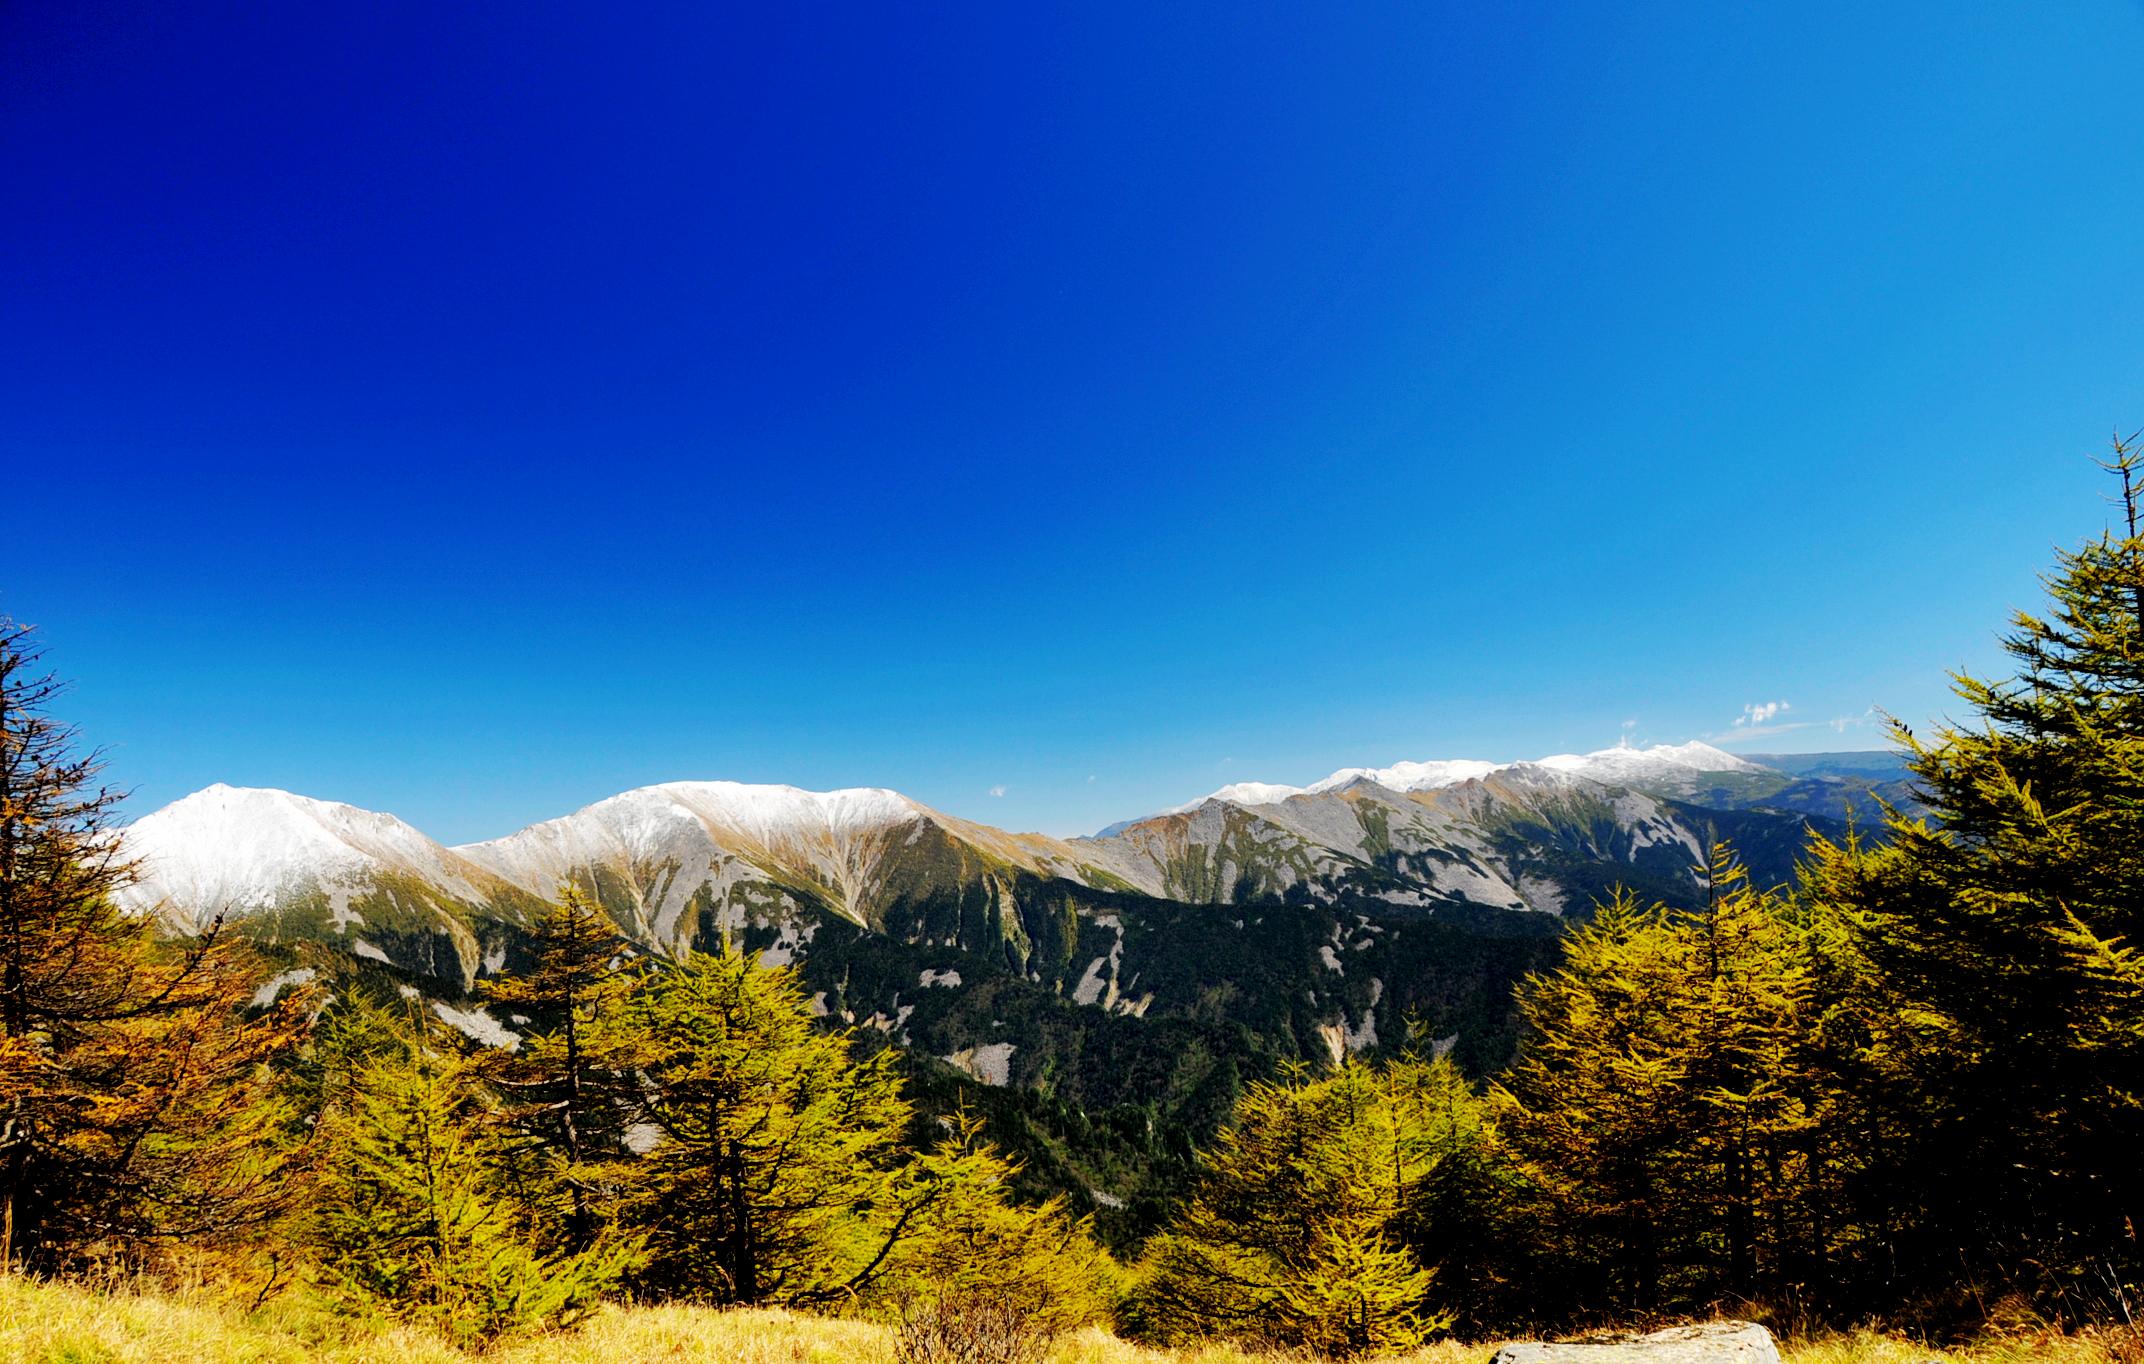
(1875, 764)
(1664, 765)
(1833, 785)
(1523, 837)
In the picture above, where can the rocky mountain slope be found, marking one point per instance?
(698, 863)
(1103, 997)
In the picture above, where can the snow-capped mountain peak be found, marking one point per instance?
(239, 849)
(1624, 761)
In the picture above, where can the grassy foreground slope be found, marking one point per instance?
(44, 1323)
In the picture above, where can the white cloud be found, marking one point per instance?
(1761, 713)
(1762, 721)
(998, 790)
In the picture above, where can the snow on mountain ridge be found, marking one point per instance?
(1242, 793)
(1695, 756)
(715, 833)
(764, 812)
(1622, 763)
(1406, 776)
(243, 851)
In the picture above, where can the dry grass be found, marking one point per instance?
(63, 1324)
(1866, 1347)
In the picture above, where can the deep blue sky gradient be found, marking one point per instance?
(471, 411)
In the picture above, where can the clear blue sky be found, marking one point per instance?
(471, 411)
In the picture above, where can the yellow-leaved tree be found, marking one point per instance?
(136, 1105)
(1671, 1103)
(1296, 1235)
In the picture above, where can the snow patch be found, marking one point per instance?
(1241, 793)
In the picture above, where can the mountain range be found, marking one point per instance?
(1142, 972)
(688, 863)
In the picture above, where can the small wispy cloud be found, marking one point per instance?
(1758, 720)
(998, 790)
(1762, 721)
(1761, 713)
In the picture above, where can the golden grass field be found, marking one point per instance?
(43, 1323)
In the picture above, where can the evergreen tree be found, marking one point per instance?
(1753, 1007)
(1473, 1217)
(971, 1239)
(2005, 928)
(773, 1174)
(1293, 1235)
(1669, 1102)
(1355, 1291)
(134, 1102)
(411, 1214)
(1598, 1102)
(569, 1088)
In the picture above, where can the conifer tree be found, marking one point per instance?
(133, 1099)
(1598, 1102)
(412, 1215)
(2005, 929)
(1356, 1292)
(568, 1088)
(1472, 1216)
(1667, 1100)
(972, 1239)
(773, 1176)
(1293, 1235)
(1753, 1007)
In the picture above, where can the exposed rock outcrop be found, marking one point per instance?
(1712, 1342)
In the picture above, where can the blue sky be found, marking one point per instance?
(472, 411)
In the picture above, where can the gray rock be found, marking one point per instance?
(1712, 1342)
